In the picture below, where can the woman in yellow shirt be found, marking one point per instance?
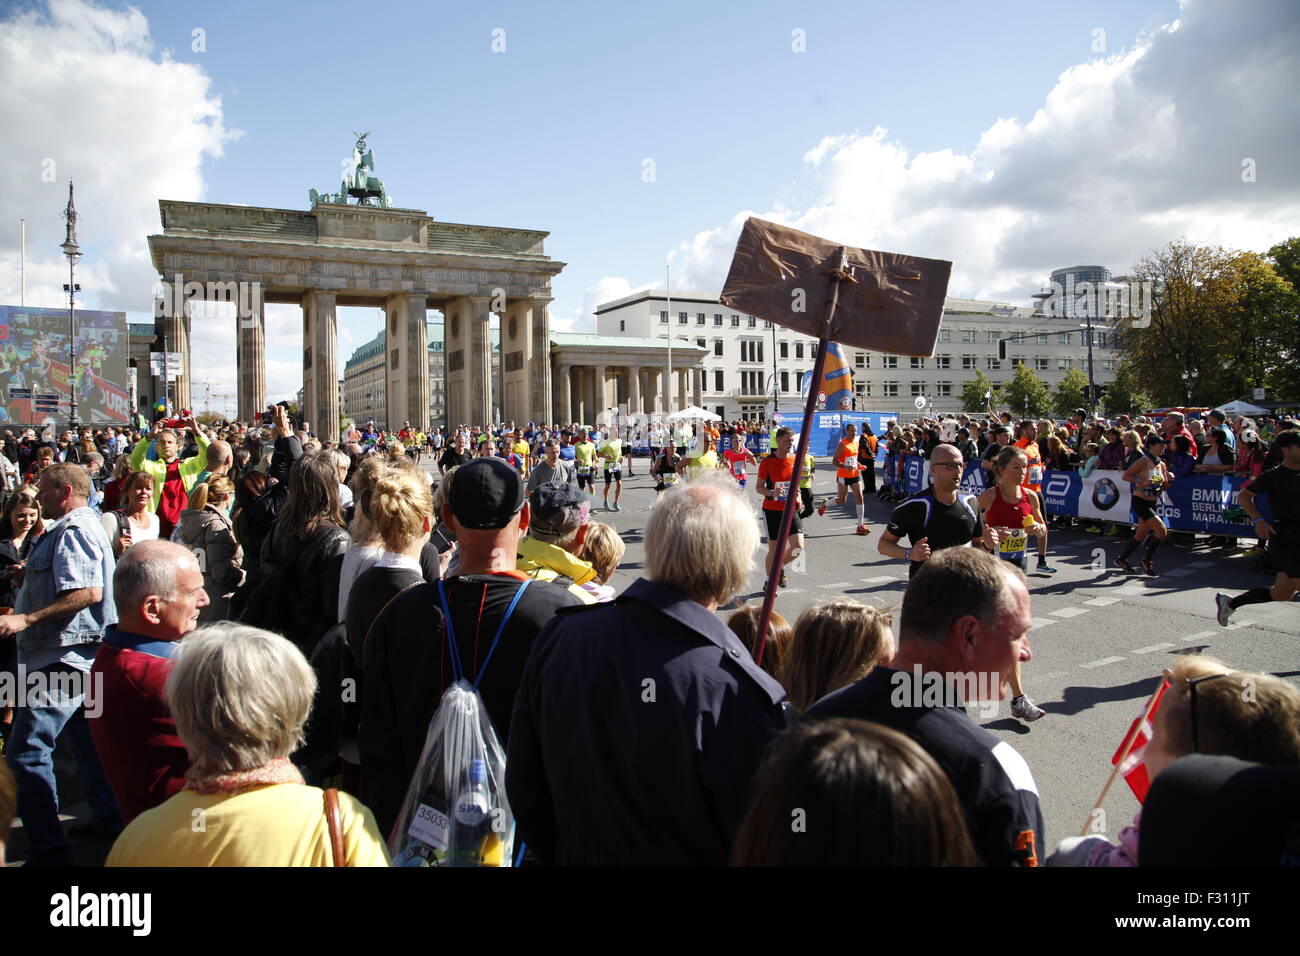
(240, 697)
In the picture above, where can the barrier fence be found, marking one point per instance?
(1194, 504)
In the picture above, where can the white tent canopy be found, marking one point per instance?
(1241, 407)
(693, 413)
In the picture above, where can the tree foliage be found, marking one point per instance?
(973, 392)
(1124, 396)
(1027, 394)
(1221, 324)
(1071, 393)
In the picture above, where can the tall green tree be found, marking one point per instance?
(1071, 393)
(1285, 383)
(1027, 394)
(1125, 396)
(973, 392)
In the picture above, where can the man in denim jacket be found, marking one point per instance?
(65, 605)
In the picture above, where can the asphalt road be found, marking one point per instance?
(1099, 642)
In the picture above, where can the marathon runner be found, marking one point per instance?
(738, 458)
(584, 456)
(1282, 485)
(1013, 512)
(1033, 481)
(848, 476)
(773, 485)
(664, 469)
(939, 517)
(454, 455)
(701, 460)
(806, 485)
(1150, 476)
(611, 453)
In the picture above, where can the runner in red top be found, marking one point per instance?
(773, 485)
(848, 476)
(738, 458)
(1033, 481)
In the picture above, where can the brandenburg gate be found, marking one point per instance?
(366, 254)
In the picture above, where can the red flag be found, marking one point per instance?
(1140, 732)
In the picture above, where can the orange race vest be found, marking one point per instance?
(846, 459)
(1034, 469)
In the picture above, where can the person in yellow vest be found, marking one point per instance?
(561, 517)
(173, 478)
(611, 453)
(584, 458)
(701, 460)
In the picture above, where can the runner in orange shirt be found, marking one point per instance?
(774, 475)
(848, 475)
(1034, 482)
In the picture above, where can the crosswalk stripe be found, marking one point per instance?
(1069, 612)
(1101, 663)
(1153, 648)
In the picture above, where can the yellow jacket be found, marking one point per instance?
(190, 467)
(546, 562)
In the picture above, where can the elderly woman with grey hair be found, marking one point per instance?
(240, 697)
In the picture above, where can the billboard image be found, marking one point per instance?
(34, 366)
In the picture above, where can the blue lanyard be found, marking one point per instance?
(457, 670)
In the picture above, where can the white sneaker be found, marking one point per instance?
(1026, 709)
(1225, 608)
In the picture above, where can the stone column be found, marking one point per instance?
(320, 378)
(406, 363)
(539, 363)
(634, 390)
(602, 391)
(478, 359)
(564, 407)
(250, 357)
(697, 376)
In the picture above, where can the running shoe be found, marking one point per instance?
(821, 508)
(617, 506)
(1123, 565)
(1092, 528)
(1148, 568)
(863, 529)
(783, 581)
(1225, 608)
(1026, 709)
(1255, 552)
(1044, 567)
(607, 508)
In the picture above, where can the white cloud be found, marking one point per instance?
(1126, 154)
(85, 96)
(606, 289)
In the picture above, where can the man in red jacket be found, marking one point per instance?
(158, 590)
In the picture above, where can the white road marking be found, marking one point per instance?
(1101, 663)
(1069, 612)
(836, 584)
(1238, 625)
(1200, 635)
(1102, 602)
(1042, 622)
(790, 591)
(879, 580)
(1153, 648)
(1132, 590)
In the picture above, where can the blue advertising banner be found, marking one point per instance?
(1195, 504)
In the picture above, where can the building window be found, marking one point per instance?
(968, 363)
(622, 325)
(918, 389)
(785, 381)
(753, 322)
(943, 361)
(682, 318)
(918, 362)
(945, 335)
(1064, 364)
(735, 321)
(751, 350)
(717, 380)
(1108, 365)
(394, 358)
(783, 349)
(968, 336)
(663, 318)
(993, 336)
(702, 343)
(943, 389)
(991, 363)
(767, 324)
(699, 318)
(866, 389)
(1063, 338)
(866, 360)
(798, 350)
(717, 318)
(890, 389)
(812, 349)
(859, 360)
(717, 347)
(1040, 338)
(1040, 364)
(889, 361)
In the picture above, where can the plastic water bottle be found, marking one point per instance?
(472, 814)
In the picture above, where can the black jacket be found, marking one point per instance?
(259, 517)
(407, 667)
(306, 602)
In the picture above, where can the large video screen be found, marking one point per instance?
(34, 363)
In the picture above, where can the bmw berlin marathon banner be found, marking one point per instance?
(827, 430)
(1204, 504)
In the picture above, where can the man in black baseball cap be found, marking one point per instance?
(560, 516)
(406, 658)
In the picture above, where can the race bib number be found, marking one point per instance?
(782, 490)
(738, 468)
(1035, 474)
(584, 470)
(431, 826)
(1013, 544)
(850, 463)
(614, 468)
(671, 479)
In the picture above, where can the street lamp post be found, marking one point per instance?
(73, 252)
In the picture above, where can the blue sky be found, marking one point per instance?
(888, 102)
